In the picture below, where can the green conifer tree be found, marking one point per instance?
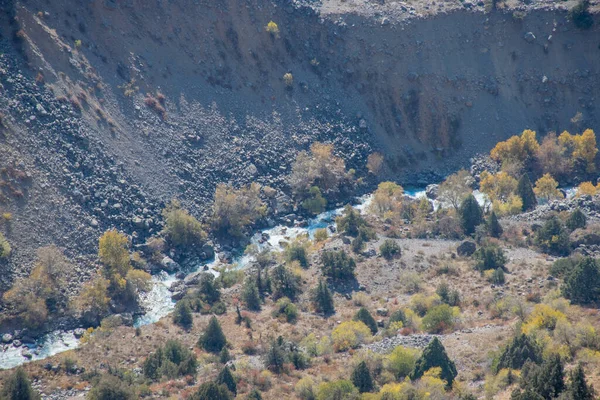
(576, 220)
(361, 378)
(470, 214)
(213, 339)
(227, 379)
(578, 387)
(211, 391)
(434, 355)
(525, 192)
(18, 387)
(582, 286)
(494, 228)
(322, 299)
(250, 295)
(182, 315)
(363, 315)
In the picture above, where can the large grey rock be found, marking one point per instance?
(79, 332)
(466, 248)
(7, 338)
(431, 191)
(168, 264)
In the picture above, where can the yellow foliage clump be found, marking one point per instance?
(498, 186)
(349, 335)
(543, 317)
(581, 147)
(513, 205)
(516, 149)
(587, 188)
(546, 188)
(272, 28)
(386, 199)
(114, 254)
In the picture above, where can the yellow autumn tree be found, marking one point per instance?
(387, 200)
(587, 188)
(498, 186)
(546, 188)
(580, 148)
(114, 255)
(517, 150)
(511, 206)
(234, 210)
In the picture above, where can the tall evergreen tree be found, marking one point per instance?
(275, 357)
(582, 286)
(211, 391)
(18, 387)
(525, 192)
(363, 315)
(361, 378)
(213, 339)
(494, 228)
(182, 315)
(322, 299)
(547, 380)
(250, 295)
(470, 214)
(434, 355)
(576, 220)
(517, 352)
(226, 378)
(553, 238)
(578, 388)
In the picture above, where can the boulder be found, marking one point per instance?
(466, 248)
(7, 338)
(431, 191)
(207, 251)
(382, 312)
(167, 264)
(79, 332)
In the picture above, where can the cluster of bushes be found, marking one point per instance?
(236, 210)
(562, 157)
(337, 265)
(118, 280)
(405, 373)
(171, 361)
(182, 230)
(204, 298)
(5, 248)
(42, 294)
(319, 175)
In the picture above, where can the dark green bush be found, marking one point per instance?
(182, 315)
(171, 361)
(337, 264)
(213, 339)
(363, 315)
(284, 283)
(553, 238)
(489, 257)
(389, 249)
(582, 285)
(576, 220)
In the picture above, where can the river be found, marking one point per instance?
(158, 302)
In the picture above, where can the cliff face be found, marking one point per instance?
(136, 102)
